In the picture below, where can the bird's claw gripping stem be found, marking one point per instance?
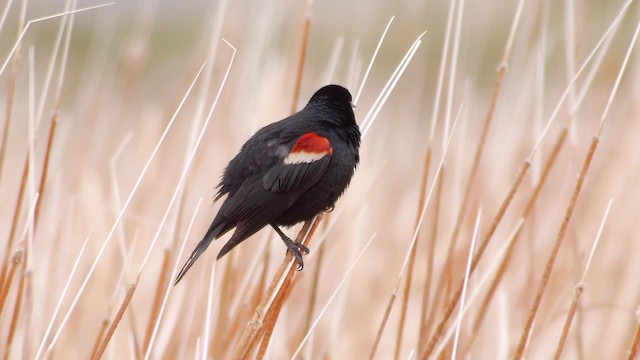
(297, 250)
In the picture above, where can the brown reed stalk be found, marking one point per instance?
(96, 345)
(556, 248)
(17, 308)
(635, 346)
(412, 257)
(14, 221)
(477, 323)
(476, 259)
(245, 345)
(226, 291)
(273, 313)
(572, 202)
(302, 57)
(425, 324)
(502, 71)
(281, 297)
(383, 325)
(578, 291)
(262, 282)
(254, 294)
(314, 293)
(116, 321)
(11, 87)
(165, 272)
(15, 262)
(45, 167)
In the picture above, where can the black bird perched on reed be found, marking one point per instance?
(287, 173)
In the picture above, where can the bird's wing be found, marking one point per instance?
(263, 198)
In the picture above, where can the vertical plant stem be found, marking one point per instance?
(251, 331)
(96, 345)
(314, 293)
(273, 313)
(425, 324)
(382, 326)
(635, 346)
(45, 166)
(412, 257)
(556, 248)
(17, 308)
(11, 87)
(7, 285)
(165, 271)
(302, 57)
(476, 259)
(477, 323)
(579, 290)
(116, 321)
(502, 71)
(14, 221)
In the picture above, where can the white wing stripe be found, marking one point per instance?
(300, 157)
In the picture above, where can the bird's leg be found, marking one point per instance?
(296, 248)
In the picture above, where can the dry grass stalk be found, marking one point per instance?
(476, 259)
(413, 242)
(17, 308)
(133, 287)
(273, 313)
(11, 87)
(163, 279)
(121, 213)
(445, 344)
(302, 57)
(477, 323)
(502, 71)
(15, 49)
(45, 165)
(571, 207)
(333, 296)
(579, 289)
(373, 58)
(465, 286)
(635, 346)
(407, 287)
(382, 326)
(554, 252)
(282, 295)
(314, 291)
(248, 338)
(99, 338)
(523, 170)
(15, 262)
(226, 293)
(168, 286)
(426, 323)
(21, 257)
(14, 224)
(8, 111)
(116, 321)
(61, 298)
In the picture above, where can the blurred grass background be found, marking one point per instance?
(130, 64)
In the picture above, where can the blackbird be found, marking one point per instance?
(287, 173)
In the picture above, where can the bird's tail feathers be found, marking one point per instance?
(211, 235)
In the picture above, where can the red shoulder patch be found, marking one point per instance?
(312, 143)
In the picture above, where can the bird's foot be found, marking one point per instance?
(297, 250)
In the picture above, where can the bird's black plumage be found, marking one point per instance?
(287, 172)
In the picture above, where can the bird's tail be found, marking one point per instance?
(211, 235)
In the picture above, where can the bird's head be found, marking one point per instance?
(337, 100)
